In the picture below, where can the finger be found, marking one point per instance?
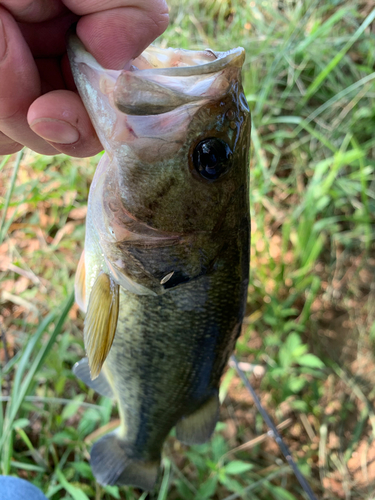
(48, 38)
(50, 75)
(19, 86)
(67, 74)
(32, 11)
(121, 33)
(84, 7)
(116, 36)
(61, 119)
(7, 146)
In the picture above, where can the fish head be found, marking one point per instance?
(175, 125)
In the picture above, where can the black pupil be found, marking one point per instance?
(212, 158)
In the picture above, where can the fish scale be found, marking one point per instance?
(164, 355)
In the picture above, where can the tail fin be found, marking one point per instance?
(112, 465)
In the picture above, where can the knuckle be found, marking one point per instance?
(9, 109)
(158, 15)
(9, 147)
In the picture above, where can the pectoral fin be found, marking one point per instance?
(100, 384)
(101, 321)
(198, 427)
(80, 283)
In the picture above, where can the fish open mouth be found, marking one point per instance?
(168, 86)
(160, 80)
(168, 62)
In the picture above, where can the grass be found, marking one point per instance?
(310, 324)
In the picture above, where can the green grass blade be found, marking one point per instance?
(163, 492)
(9, 194)
(324, 29)
(28, 467)
(4, 161)
(340, 95)
(22, 387)
(17, 395)
(296, 31)
(335, 61)
(283, 471)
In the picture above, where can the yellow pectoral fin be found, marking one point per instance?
(101, 321)
(79, 283)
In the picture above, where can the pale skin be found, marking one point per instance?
(39, 106)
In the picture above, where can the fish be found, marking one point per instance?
(163, 277)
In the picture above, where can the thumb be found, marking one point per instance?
(118, 35)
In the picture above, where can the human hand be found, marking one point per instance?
(38, 106)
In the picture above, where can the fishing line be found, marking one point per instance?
(273, 432)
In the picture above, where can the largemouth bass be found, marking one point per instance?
(164, 274)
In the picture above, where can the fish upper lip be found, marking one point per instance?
(234, 57)
(231, 58)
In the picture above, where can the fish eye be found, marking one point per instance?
(212, 157)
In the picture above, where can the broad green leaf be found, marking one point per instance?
(280, 493)
(296, 384)
(83, 468)
(75, 492)
(71, 408)
(311, 361)
(184, 491)
(293, 341)
(21, 423)
(208, 488)
(231, 484)
(113, 491)
(237, 467)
